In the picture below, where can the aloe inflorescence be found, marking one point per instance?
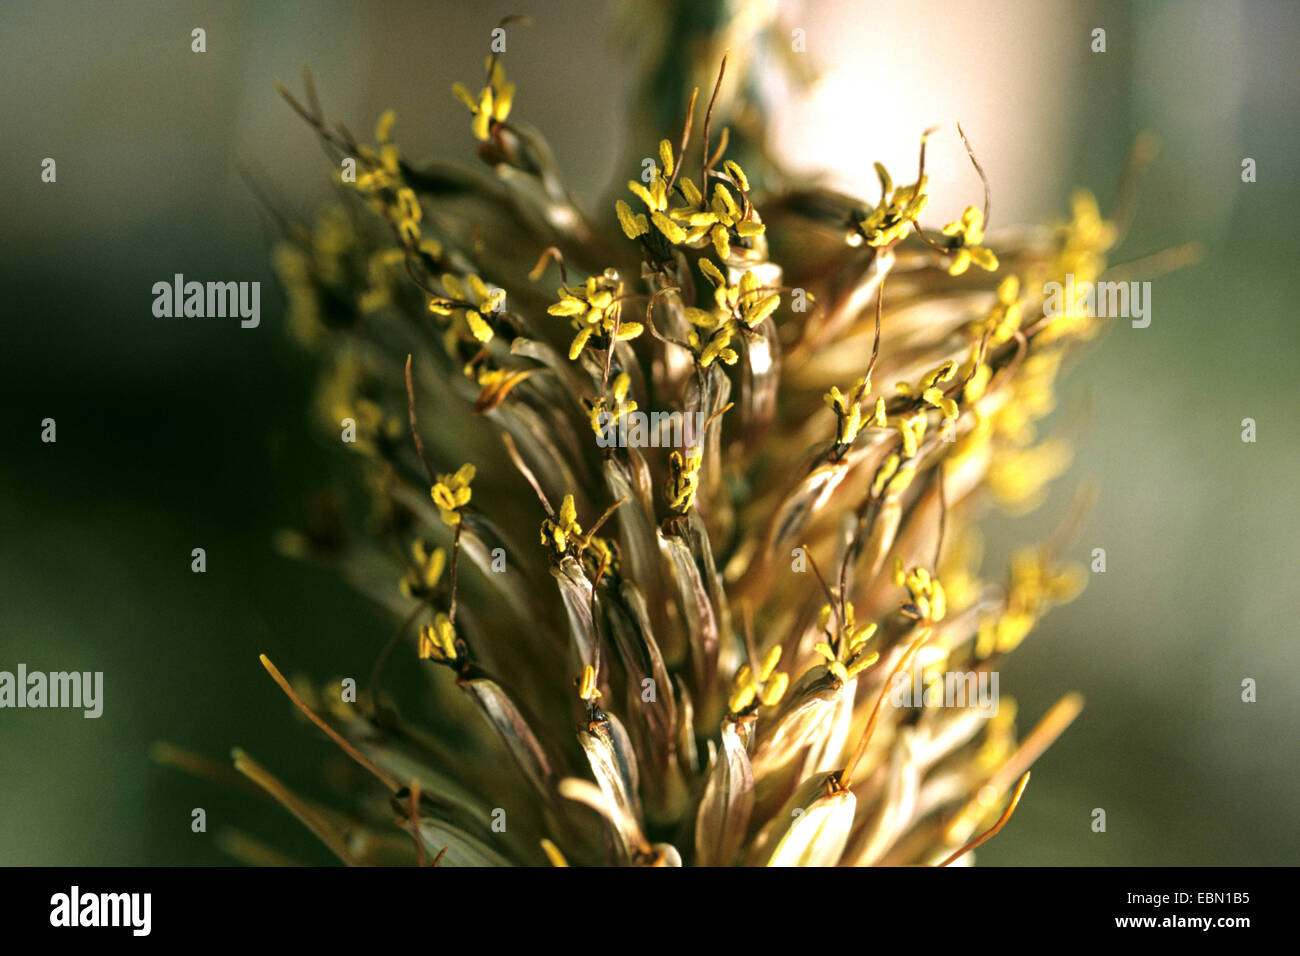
(655, 652)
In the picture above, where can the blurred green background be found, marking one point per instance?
(181, 434)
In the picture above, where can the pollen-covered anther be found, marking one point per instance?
(683, 478)
(587, 688)
(562, 532)
(452, 492)
(604, 414)
(965, 238)
(427, 569)
(595, 311)
(766, 687)
(927, 600)
(845, 652)
(493, 103)
(895, 215)
(848, 410)
(438, 640)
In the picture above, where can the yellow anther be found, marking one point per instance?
(894, 215)
(384, 127)
(438, 640)
(672, 232)
(587, 690)
(769, 663)
(861, 636)
(862, 663)
(733, 170)
(633, 225)
(666, 156)
(492, 104)
(452, 492)
(429, 565)
(712, 273)
(741, 698)
(744, 677)
(562, 532)
(965, 240)
(553, 853)
(883, 475)
(775, 689)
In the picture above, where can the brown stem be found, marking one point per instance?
(847, 776)
(993, 830)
